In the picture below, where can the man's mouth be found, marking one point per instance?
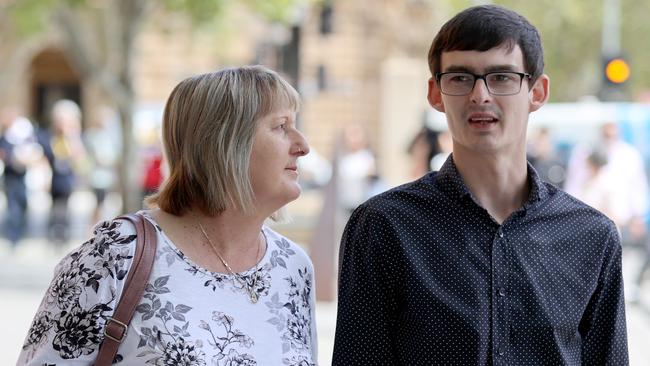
(482, 120)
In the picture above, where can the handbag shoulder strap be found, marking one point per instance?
(117, 326)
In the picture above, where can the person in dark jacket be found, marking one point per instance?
(64, 149)
(18, 150)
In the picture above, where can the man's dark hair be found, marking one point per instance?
(484, 27)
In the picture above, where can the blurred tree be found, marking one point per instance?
(571, 33)
(100, 36)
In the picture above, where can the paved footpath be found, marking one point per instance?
(25, 274)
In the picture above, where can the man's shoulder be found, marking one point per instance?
(403, 194)
(584, 216)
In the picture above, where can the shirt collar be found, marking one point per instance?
(451, 182)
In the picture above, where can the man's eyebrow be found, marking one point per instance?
(456, 68)
(492, 68)
(504, 67)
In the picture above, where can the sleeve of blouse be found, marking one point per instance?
(68, 326)
(368, 290)
(603, 327)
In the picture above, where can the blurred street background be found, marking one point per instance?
(83, 85)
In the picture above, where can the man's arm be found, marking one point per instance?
(368, 301)
(603, 326)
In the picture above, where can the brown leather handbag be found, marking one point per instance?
(117, 326)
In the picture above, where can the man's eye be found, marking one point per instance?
(460, 78)
(502, 77)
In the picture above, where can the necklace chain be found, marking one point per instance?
(252, 292)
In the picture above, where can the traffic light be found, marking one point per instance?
(616, 72)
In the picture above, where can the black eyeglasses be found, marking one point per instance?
(497, 83)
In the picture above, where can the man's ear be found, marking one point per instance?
(539, 93)
(434, 96)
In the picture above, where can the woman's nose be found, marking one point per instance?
(302, 147)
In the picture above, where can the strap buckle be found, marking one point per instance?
(119, 323)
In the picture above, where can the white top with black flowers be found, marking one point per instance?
(187, 315)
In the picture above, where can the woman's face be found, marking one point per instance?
(277, 145)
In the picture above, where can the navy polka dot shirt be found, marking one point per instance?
(427, 277)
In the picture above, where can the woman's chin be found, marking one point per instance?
(286, 198)
(294, 195)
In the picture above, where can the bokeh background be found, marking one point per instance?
(360, 67)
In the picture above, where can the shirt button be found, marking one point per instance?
(502, 292)
(500, 234)
(501, 352)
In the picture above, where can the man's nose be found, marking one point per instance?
(480, 93)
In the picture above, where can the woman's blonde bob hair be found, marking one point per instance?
(207, 133)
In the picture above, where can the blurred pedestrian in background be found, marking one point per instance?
(357, 170)
(18, 150)
(103, 147)
(421, 150)
(544, 158)
(225, 289)
(428, 150)
(625, 171)
(445, 147)
(315, 171)
(65, 151)
(152, 163)
(642, 275)
(598, 190)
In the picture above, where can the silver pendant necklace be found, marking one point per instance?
(251, 290)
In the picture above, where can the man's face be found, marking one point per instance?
(481, 122)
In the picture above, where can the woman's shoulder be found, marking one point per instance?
(110, 238)
(83, 293)
(118, 227)
(284, 252)
(97, 268)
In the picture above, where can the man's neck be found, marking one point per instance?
(499, 182)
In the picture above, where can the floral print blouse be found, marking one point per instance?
(187, 315)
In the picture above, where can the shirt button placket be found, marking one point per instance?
(500, 305)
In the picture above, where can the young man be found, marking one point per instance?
(481, 263)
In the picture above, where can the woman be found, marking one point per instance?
(224, 289)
